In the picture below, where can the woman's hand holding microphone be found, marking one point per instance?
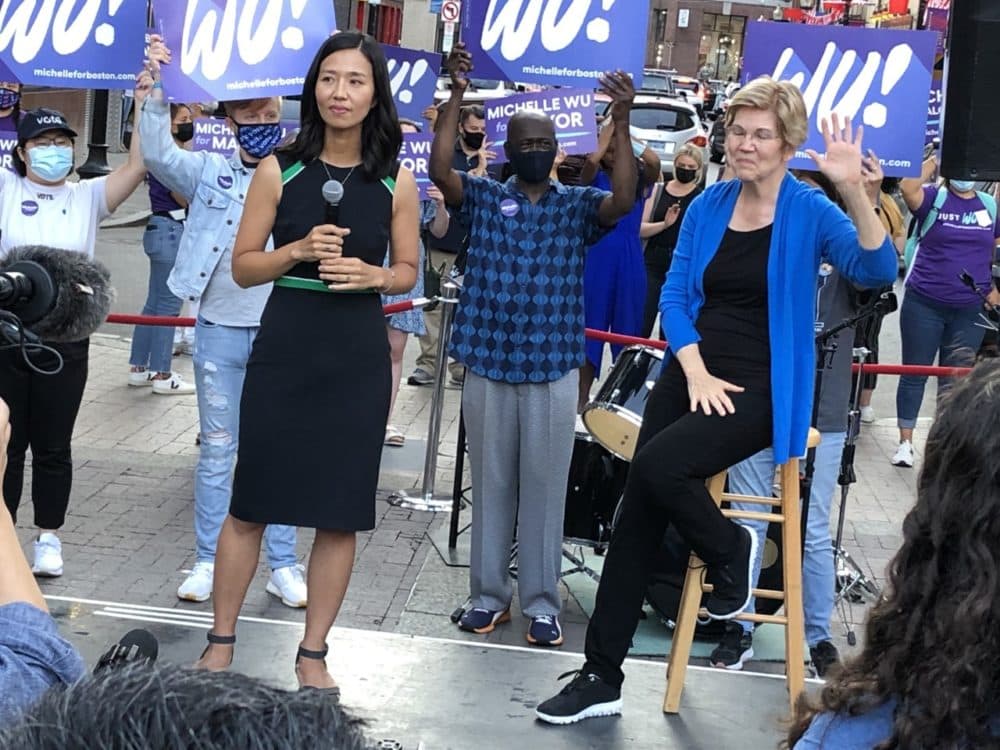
(325, 245)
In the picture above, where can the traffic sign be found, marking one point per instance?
(451, 10)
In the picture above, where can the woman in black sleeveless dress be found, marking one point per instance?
(316, 395)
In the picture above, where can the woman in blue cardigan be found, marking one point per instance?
(738, 310)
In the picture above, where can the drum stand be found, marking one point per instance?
(851, 582)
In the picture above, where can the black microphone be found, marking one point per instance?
(28, 291)
(82, 291)
(333, 193)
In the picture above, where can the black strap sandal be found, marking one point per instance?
(135, 646)
(219, 640)
(305, 653)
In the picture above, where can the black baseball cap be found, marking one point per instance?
(34, 122)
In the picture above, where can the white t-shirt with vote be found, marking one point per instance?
(64, 217)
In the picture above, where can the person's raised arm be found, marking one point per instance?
(592, 164)
(178, 169)
(912, 188)
(123, 181)
(842, 165)
(442, 219)
(448, 181)
(252, 264)
(17, 582)
(624, 174)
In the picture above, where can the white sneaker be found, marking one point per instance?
(289, 585)
(48, 556)
(197, 587)
(141, 378)
(175, 385)
(904, 455)
(867, 414)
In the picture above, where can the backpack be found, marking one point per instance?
(914, 237)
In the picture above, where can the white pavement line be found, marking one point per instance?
(169, 616)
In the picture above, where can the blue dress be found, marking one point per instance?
(614, 279)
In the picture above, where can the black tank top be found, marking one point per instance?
(365, 209)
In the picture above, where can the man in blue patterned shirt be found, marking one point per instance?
(519, 332)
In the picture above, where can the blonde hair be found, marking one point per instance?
(693, 153)
(783, 99)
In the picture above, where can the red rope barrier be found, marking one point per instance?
(611, 338)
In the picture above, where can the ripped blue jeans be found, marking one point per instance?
(220, 362)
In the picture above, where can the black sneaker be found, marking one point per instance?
(734, 580)
(586, 697)
(824, 655)
(735, 648)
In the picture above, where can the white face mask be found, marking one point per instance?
(51, 163)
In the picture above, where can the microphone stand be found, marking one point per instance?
(966, 278)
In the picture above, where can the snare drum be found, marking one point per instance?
(614, 417)
(596, 483)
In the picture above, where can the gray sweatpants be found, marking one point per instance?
(520, 446)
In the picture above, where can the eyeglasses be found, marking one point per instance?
(760, 135)
(59, 140)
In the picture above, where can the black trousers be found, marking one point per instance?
(43, 411)
(655, 278)
(677, 450)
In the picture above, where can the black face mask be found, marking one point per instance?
(473, 140)
(185, 132)
(685, 175)
(533, 167)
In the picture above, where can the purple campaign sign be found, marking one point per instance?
(240, 49)
(413, 78)
(93, 45)
(212, 134)
(878, 77)
(8, 142)
(572, 111)
(415, 155)
(554, 42)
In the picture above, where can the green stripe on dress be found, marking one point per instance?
(390, 184)
(316, 285)
(291, 172)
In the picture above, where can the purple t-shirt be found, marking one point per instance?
(160, 198)
(963, 238)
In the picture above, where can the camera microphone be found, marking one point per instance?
(27, 290)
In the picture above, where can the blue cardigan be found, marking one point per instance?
(808, 227)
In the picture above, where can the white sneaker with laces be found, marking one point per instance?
(141, 378)
(48, 556)
(867, 414)
(175, 385)
(197, 587)
(903, 455)
(289, 585)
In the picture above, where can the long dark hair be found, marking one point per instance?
(933, 643)
(381, 137)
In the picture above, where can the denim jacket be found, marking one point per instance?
(215, 187)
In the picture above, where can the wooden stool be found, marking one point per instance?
(694, 584)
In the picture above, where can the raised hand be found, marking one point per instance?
(143, 86)
(841, 163)
(159, 55)
(618, 86)
(872, 175)
(459, 65)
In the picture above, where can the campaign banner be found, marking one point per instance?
(413, 79)
(554, 42)
(8, 142)
(213, 134)
(240, 49)
(415, 155)
(937, 21)
(96, 44)
(880, 78)
(571, 110)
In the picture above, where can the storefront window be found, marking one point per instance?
(721, 47)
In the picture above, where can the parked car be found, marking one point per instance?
(478, 91)
(692, 90)
(657, 82)
(665, 125)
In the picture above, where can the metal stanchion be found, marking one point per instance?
(427, 500)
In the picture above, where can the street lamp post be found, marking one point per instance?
(97, 155)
